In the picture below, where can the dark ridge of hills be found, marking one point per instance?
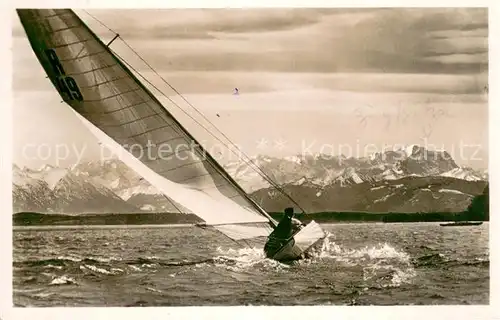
(41, 219)
(479, 208)
(331, 217)
(406, 195)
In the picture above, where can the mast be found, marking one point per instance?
(217, 166)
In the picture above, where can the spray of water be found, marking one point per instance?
(246, 258)
(382, 264)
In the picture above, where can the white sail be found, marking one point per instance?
(93, 82)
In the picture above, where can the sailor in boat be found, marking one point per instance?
(283, 232)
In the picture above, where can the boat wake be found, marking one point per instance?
(382, 265)
(247, 258)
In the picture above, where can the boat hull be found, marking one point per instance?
(288, 252)
(460, 224)
(297, 246)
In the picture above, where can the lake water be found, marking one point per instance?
(358, 264)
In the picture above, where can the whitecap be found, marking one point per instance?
(62, 280)
(134, 268)
(96, 269)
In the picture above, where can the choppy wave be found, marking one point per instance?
(444, 261)
(62, 280)
(382, 264)
(61, 261)
(337, 271)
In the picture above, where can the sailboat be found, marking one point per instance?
(121, 111)
(461, 224)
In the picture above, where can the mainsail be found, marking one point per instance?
(103, 91)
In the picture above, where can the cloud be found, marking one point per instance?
(363, 40)
(465, 58)
(444, 34)
(400, 40)
(202, 23)
(412, 41)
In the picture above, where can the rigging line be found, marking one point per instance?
(201, 125)
(246, 242)
(267, 178)
(105, 26)
(250, 163)
(215, 165)
(257, 168)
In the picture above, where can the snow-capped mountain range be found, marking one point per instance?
(62, 190)
(111, 186)
(323, 170)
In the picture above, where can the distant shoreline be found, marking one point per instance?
(95, 226)
(32, 219)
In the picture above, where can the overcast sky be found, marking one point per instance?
(307, 77)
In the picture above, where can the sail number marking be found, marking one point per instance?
(65, 84)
